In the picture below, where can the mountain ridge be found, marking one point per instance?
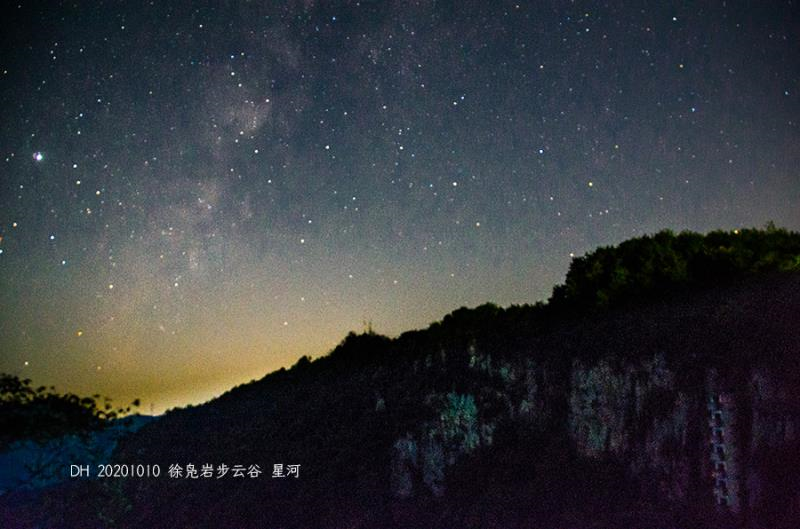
(673, 408)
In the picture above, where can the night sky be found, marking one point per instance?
(191, 197)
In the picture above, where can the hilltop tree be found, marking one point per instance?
(653, 265)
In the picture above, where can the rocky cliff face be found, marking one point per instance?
(694, 402)
(637, 414)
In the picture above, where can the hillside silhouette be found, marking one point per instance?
(658, 387)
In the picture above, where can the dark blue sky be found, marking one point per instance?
(191, 196)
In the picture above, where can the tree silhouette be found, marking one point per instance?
(42, 414)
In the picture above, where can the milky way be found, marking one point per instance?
(192, 197)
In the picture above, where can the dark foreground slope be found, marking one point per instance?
(679, 411)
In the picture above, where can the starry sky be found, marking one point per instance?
(192, 196)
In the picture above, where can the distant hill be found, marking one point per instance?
(657, 388)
